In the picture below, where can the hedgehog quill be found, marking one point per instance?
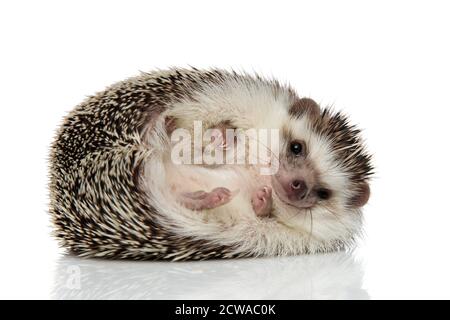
(124, 185)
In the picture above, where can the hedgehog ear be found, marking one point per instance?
(362, 195)
(304, 106)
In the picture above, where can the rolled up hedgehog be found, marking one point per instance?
(129, 181)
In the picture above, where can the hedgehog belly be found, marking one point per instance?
(180, 179)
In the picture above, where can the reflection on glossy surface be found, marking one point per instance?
(328, 276)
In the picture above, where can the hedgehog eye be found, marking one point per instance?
(323, 193)
(296, 148)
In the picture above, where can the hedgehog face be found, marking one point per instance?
(323, 170)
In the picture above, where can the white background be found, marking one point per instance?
(385, 63)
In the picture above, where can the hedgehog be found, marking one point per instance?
(129, 181)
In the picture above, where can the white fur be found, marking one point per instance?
(288, 231)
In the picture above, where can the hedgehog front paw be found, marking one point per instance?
(262, 201)
(201, 200)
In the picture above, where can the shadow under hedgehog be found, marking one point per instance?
(116, 191)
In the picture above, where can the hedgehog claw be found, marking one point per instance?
(262, 201)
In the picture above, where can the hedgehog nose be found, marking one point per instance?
(299, 188)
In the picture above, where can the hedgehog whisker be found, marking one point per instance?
(336, 215)
(311, 230)
(266, 147)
